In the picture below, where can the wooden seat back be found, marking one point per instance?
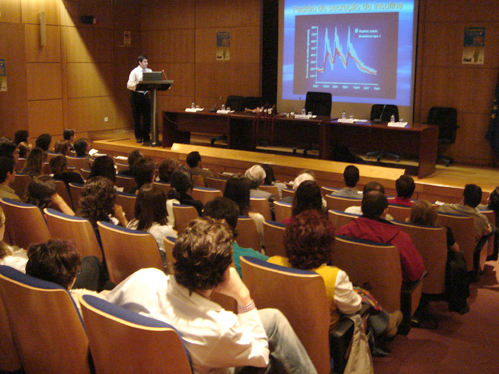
(464, 233)
(339, 218)
(183, 215)
(247, 234)
(273, 233)
(261, 205)
(282, 210)
(341, 203)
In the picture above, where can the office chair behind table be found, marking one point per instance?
(234, 103)
(382, 113)
(446, 120)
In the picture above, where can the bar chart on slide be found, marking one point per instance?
(347, 55)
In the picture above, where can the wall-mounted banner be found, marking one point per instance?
(223, 44)
(3, 76)
(474, 45)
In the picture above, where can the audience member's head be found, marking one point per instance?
(423, 213)
(472, 195)
(222, 208)
(150, 206)
(405, 186)
(6, 169)
(40, 190)
(8, 149)
(21, 136)
(493, 201)
(68, 134)
(193, 159)
(81, 147)
(374, 204)
(133, 157)
(166, 169)
(303, 176)
(308, 240)
(56, 261)
(98, 197)
(23, 149)
(43, 142)
(34, 162)
(255, 175)
(58, 164)
(351, 176)
(103, 166)
(62, 147)
(181, 180)
(237, 188)
(143, 171)
(203, 253)
(269, 175)
(307, 196)
(373, 186)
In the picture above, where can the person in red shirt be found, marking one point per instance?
(405, 188)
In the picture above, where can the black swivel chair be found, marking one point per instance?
(252, 102)
(383, 113)
(234, 103)
(319, 103)
(446, 120)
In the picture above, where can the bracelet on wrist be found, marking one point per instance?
(246, 308)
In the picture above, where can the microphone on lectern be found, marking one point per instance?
(377, 120)
(163, 71)
(214, 109)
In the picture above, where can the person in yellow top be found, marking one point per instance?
(308, 242)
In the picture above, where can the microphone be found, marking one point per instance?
(378, 120)
(163, 71)
(297, 104)
(214, 109)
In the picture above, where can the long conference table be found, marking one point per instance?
(244, 130)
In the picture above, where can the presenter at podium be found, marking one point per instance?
(141, 107)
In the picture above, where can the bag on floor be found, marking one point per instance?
(359, 360)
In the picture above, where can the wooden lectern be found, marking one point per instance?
(154, 86)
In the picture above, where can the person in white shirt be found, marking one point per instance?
(217, 340)
(141, 106)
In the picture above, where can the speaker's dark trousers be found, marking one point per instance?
(141, 107)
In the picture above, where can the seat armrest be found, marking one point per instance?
(406, 295)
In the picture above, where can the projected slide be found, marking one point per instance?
(347, 54)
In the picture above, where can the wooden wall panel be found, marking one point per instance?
(461, 10)
(169, 46)
(164, 15)
(183, 76)
(48, 53)
(87, 114)
(11, 11)
(227, 13)
(31, 11)
(88, 80)
(87, 44)
(44, 81)
(127, 15)
(45, 116)
(102, 10)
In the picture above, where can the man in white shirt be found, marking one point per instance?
(140, 101)
(217, 340)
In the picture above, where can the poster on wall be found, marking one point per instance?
(474, 45)
(223, 44)
(3, 76)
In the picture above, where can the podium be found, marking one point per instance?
(154, 86)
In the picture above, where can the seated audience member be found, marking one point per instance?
(7, 176)
(21, 136)
(217, 340)
(166, 169)
(43, 142)
(23, 149)
(237, 188)
(42, 192)
(58, 166)
(151, 216)
(309, 243)
(405, 188)
(103, 166)
(62, 147)
(181, 183)
(270, 180)
(195, 166)
(307, 196)
(9, 149)
(69, 135)
(456, 273)
(133, 157)
(34, 162)
(373, 226)
(59, 262)
(225, 208)
(304, 175)
(256, 176)
(98, 203)
(12, 256)
(143, 173)
(472, 195)
(82, 147)
(368, 187)
(351, 177)
(493, 204)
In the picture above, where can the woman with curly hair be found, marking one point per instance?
(34, 162)
(308, 242)
(98, 203)
(42, 192)
(166, 168)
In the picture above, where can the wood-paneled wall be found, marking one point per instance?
(79, 77)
